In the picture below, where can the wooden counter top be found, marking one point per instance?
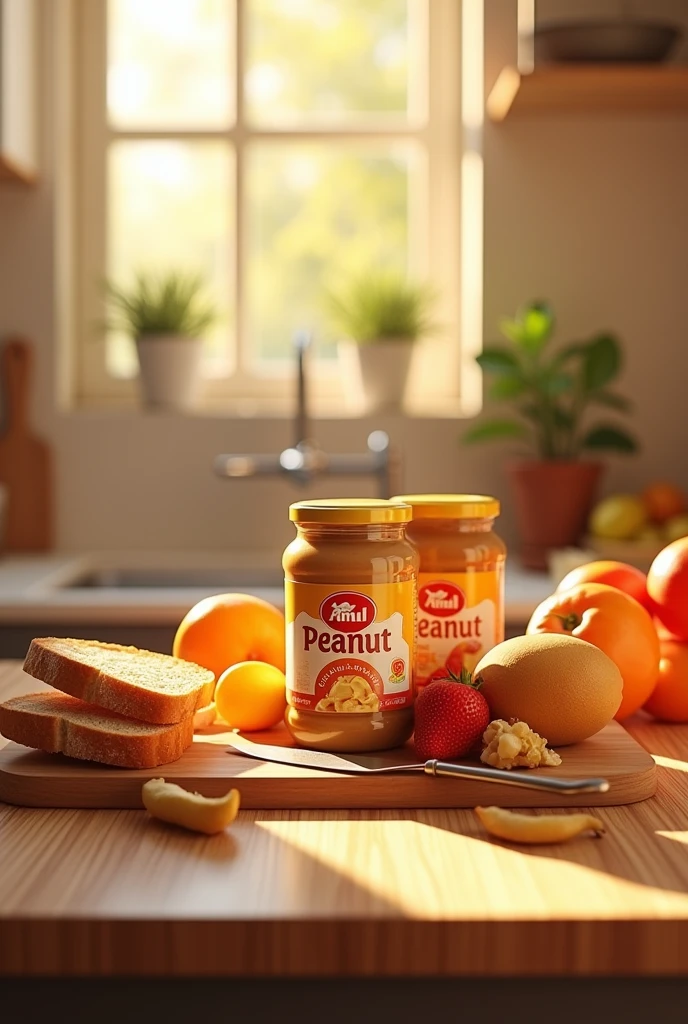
(357, 893)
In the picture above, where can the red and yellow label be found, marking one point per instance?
(350, 649)
(460, 617)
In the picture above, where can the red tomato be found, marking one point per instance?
(667, 585)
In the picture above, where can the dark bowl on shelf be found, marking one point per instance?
(621, 41)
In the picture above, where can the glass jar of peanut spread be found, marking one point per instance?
(460, 582)
(350, 602)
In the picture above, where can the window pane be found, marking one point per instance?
(171, 207)
(316, 215)
(332, 61)
(170, 63)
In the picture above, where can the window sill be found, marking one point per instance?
(440, 408)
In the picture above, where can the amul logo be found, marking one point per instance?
(441, 598)
(347, 611)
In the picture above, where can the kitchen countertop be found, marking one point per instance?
(361, 894)
(32, 587)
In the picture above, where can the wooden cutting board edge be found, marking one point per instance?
(32, 779)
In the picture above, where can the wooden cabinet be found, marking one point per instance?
(18, 92)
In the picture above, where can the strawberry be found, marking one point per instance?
(451, 716)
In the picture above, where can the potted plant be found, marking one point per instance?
(166, 315)
(381, 315)
(552, 391)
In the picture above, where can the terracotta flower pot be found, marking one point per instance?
(553, 499)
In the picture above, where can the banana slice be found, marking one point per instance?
(178, 806)
(545, 828)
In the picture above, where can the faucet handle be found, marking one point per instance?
(303, 339)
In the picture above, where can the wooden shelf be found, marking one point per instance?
(590, 89)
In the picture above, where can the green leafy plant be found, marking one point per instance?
(170, 303)
(382, 307)
(553, 390)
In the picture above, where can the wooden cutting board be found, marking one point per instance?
(34, 779)
(25, 460)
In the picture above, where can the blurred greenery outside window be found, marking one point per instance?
(279, 147)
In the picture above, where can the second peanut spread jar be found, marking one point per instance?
(460, 582)
(350, 601)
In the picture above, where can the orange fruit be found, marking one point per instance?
(669, 699)
(251, 696)
(225, 629)
(564, 688)
(667, 585)
(614, 622)
(615, 574)
(663, 500)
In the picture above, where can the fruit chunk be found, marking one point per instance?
(225, 629)
(515, 745)
(619, 517)
(564, 688)
(663, 500)
(675, 528)
(667, 585)
(615, 574)
(177, 806)
(251, 696)
(543, 828)
(614, 622)
(205, 717)
(451, 717)
(669, 699)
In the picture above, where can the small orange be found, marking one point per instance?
(663, 500)
(251, 696)
(225, 629)
(614, 622)
(615, 574)
(669, 700)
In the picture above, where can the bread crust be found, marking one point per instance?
(66, 672)
(61, 724)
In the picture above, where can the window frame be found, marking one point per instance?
(440, 134)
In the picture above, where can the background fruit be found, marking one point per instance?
(614, 622)
(251, 696)
(619, 517)
(669, 699)
(225, 629)
(667, 585)
(663, 500)
(615, 574)
(675, 528)
(564, 688)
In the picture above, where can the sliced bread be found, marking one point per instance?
(60, 724)
(140, 684)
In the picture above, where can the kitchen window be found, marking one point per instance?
(279, 147)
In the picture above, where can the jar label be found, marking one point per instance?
(350, 649)
(460, 618)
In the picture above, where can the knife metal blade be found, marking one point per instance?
(322, 761)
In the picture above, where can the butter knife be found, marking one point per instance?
(321, 761)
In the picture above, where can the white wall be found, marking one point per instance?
(589, 212)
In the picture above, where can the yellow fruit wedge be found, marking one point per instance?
(178, 806)
(544, 828)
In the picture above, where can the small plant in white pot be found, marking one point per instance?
(382, 315)
(166, 315)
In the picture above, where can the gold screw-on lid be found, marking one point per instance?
(352, 511)
(451, 506)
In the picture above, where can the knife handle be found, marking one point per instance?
(568, 787)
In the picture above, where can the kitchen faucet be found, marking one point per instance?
(306, 460)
